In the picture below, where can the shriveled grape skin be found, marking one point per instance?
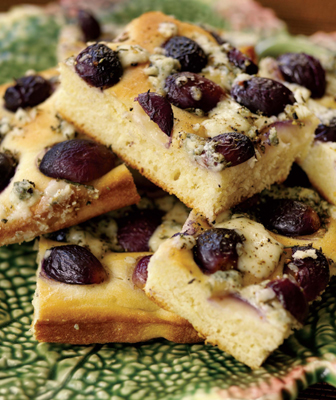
(262, 95)
(216, 250)
(140, 273)
(234, 146)
(74, 265)
(312, 274)
(158, 109)
(99, 66)
(305, 70)
(326, 133)
(28, 91)
(77, 160)
(7, 169)
(291, 297)
(89, 25)
(188, 90)
(290, 217)
(243, 62)
(136, 228)
(190, 55)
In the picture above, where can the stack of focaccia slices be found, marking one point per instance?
(196, 117)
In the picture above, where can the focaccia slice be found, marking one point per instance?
(186, 163)
(239, 292)
(32, 203)
(114, 310)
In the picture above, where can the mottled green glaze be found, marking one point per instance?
(158, 370)
(28, 43)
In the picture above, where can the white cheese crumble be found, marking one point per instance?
(161, 67)
(131, 55)
(25, 116)
(22, 197)
(259, 253)
(76, 327)
(301, 254)
(168, 29)
(5, 125)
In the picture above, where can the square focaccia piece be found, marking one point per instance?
(319, 96)
(33, 202)
(320, 162)
(237, 285)
(98, 302)
(162, 99)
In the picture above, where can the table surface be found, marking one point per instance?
(302, 16)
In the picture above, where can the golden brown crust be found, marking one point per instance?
(114, 311)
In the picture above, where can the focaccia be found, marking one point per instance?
(112, 311)
(184, 160)
(238, 286)
(32, 203)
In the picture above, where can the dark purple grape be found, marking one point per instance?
(74, 265)
(305, 70)
(188, 90)
(28, 91)
(290, 217)
(77, 160)
(235, 147)
(312, 274)
(190, 55)
(216, 250)
(89, 25)
(99, 66)
(140, 273)
(7, 169)
(326, 133)
(135, 229)
(262, 95)
(158, 109)
(291, 297)
(243, 62)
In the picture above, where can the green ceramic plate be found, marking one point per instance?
(157, 370)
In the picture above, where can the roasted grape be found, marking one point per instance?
(99, 66)
(262, 95)
(190, 55)
(305, 70)
(291, 297)
(28, 91)
(139, 277)
(188, 90)
(135, 229)
(74, 265)
(290, 217)
(216, 249)
(89, 25)
(158, 109)
(326, 133)
(234, 146)
(310, 271)
(77, 160)
(7, 169)
(243, 62)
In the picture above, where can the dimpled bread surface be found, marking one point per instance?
(58, 203)
(112, 116)
(112, 311)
